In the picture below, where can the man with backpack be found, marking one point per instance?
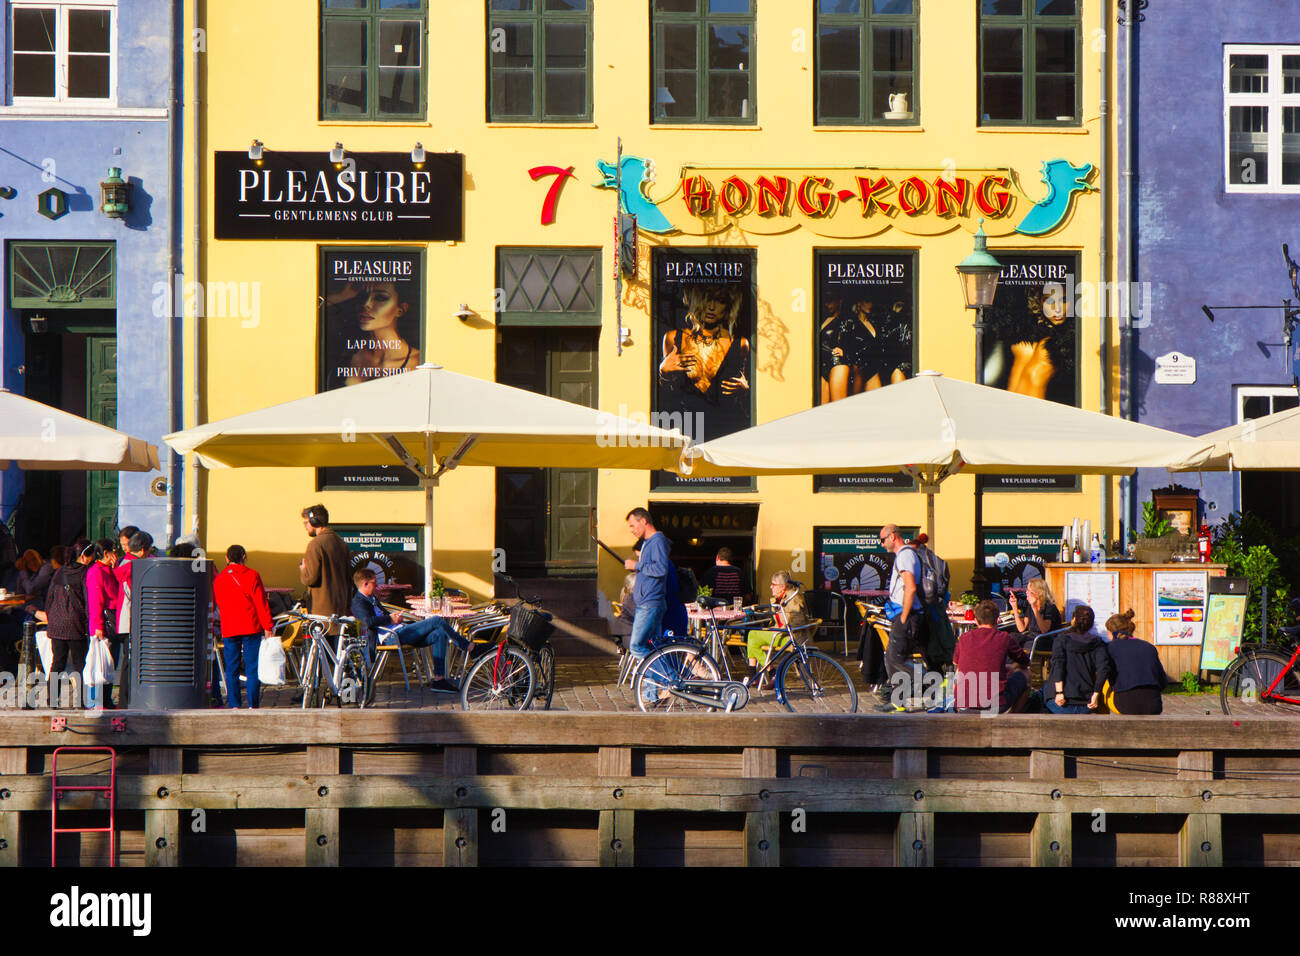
(67, 617)
(918, 585)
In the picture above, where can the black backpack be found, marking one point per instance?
(65, 604)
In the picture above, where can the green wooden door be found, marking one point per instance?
(544, 514)
(101, 406)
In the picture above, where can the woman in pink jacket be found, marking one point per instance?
(102, 595)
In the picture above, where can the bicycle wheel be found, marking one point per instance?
(1249, 676)
(670, 668)
(313, 686)
(815, 684)
(354, 684)
(499, 682)
(546, 667)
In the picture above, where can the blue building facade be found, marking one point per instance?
(1215, 173)
(86, 314)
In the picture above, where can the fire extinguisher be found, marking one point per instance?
(1203, 544)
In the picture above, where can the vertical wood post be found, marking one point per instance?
(763, 827)
(616, 829)
(460, 824)
(1200, 841)
(914, 837)
(1052, 841)
(162, 828)
(321, 825)
(13, 761)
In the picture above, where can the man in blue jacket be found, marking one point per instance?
(432, 631)
(655, 593)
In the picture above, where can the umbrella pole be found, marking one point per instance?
(428, 534)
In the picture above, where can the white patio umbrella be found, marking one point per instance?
(430, 420)
(39, 437)
(1271, 443)
(931, 427)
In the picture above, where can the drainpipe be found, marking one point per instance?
(1104, 257)
(176, 115)
(1126, 209)
(192, 483)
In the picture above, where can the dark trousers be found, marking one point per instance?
(905, 639)
(1139, 700)
(248, 647)
(68, 657)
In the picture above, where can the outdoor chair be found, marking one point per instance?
(1040, 657)
(831, 608)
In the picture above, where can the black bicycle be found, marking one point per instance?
(521, 669)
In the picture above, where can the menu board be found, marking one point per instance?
(1099, 590)
(1224, 617)
(1180, 606)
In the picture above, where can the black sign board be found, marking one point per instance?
(372, 196)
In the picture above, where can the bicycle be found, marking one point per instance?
(522, 669)
(683, 676)
(1264, 676)
(337, 671)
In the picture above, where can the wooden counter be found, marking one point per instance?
(1135, 591)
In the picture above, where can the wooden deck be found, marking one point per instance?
(421, 786)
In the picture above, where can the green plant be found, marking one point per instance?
(1191, 682)
(1154, 526)
(969, 598)
(704, 591)
(1255, 562)
(439, 588)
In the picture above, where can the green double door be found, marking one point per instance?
(543, 516)
(101, 407)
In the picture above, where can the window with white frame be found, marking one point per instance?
(1261, 118)
(1256, 401)
(62, 52)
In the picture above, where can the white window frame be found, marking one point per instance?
(1274, 100)
(61, 101)
(1260, 391)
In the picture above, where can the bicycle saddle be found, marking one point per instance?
(709, 603)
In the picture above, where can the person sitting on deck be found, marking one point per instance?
(433, 632)
(1139, 678)
(1080, 667)
(981, 659)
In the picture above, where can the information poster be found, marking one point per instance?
(866, 338)
(371, 307)
(1031, 345)
(1012, 556)
(1099, 590)
(394, 552)
(1180, 598)
(852, 559)
(1225, 616)
(703, 365)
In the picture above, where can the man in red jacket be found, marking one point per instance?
(245, 622)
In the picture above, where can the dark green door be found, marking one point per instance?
(544, 514)
(101, 407)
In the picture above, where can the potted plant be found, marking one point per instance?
(439, 592)
(1155, 545)
(968, 600)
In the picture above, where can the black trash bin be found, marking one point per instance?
(169, 633)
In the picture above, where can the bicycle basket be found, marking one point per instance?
(529, 627)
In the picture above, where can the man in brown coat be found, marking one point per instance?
(324, 568)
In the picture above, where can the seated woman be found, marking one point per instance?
(1139, 676)
(1042, 617)
(791, 611)
(1080, 667)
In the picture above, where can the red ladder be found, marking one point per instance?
(110, 788)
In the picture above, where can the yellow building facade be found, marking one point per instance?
(755, 157)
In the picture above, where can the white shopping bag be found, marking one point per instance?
(270, 663)
(99, 664)
(45, 649)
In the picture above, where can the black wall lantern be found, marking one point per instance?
(115, 195)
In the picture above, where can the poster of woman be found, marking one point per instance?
(866, 338)
(371, 315)
(1031, 344)
(703, 302)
